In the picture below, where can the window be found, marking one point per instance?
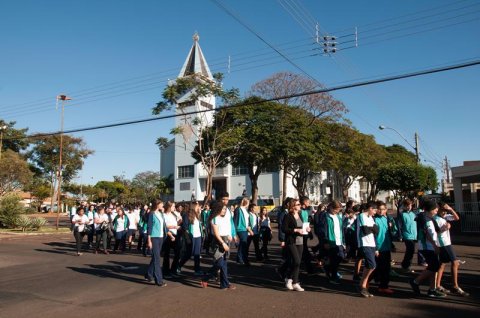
(268, 170)
(184, 186)
(238, 171)
(185, 172)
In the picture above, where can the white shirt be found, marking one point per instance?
(102, 218)
(90, 217)
(83, 218)
(121, 224)
(444, 237)
(336, 229)
(196, 229)
(133, 218)
(367, 240)
(171, 220)
(225, 223)
(430, 228)
(254, 226)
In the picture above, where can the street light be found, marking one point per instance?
(2, 129)
(417, 152)
(63, 99)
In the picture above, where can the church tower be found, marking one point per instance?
(188, 175)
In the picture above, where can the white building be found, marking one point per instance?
(190, 178)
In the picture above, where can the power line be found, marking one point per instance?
(234, 16)
(319, 91)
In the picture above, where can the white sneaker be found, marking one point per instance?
(289, 284)
(297, 287)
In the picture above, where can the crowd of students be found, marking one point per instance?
(363, 233)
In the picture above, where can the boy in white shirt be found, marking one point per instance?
(447, 255)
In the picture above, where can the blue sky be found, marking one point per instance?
(114, 59)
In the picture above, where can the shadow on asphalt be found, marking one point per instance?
(436, 310)
(263, 275)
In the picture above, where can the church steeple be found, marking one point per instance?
(195, 62)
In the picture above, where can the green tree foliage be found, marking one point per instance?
(349, 153)
(249, 136)
(13, 139)
(45, 156)
(111, 190)
(147, 186)
(14, 172)
(406, 179)
(10, 210)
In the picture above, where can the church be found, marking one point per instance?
(190, 178)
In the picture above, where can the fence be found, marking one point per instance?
(469, 216)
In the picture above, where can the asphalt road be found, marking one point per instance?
(40, 276)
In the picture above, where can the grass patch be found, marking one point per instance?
(41, 230)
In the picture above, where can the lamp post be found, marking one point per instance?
(62, 99)
(2, 129)
(417, 152)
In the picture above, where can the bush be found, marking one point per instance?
(23, 222)
(31, 210)
(10, 210)
(37, 223)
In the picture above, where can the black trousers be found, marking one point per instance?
(101, 235)
(306, 255)
(78, 239)
(335, 255)
(382, 271)
(294, 253)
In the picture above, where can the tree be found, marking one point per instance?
(349, 154)
(14, 139)
(148, 184)
(249, 135)
(45, 155)
(183, 93)
(406, 179)
(286, 84)
(110, 190)
(14, 172)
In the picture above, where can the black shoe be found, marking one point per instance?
(161, 285)
(415, 286)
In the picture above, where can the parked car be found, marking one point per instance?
(273, 214)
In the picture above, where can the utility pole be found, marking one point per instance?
(417, 150)
(62, 98)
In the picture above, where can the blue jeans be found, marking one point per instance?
(154, 270)
(219, 264)
(242, 253)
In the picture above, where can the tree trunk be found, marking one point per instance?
(254, 182)
(284, 184)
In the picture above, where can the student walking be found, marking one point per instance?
(447, 255)
(79, 222)
(333, 240)
(428, 245)
(120, 228)
(170, 241)
(292, 226)
(383, 239)
(194, 229)
(243, 229)
(220, 243)
(254, 233)
(156, 232)
(366, 231)
(101, 229)
(265, 232)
